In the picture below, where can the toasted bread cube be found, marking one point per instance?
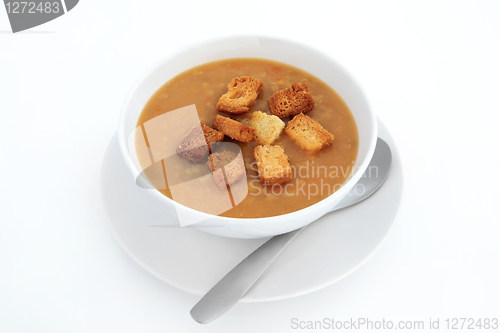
(232, 164)
(211, 135)
(232, 128)
(291, 101)
(196, 144)
(242, 92)
(273, 165)
(267, 127)
(308, 134)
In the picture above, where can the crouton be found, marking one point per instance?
(307, 133)
(273, 165)
(211, 135)
(233, 128)
(196, 144)
(291, 101)
(242, 92)
(267, 128)
(231, 163)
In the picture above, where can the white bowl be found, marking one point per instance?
(292, 53)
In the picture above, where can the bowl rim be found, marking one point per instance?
(246, 221)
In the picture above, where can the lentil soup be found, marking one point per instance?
(315, 176)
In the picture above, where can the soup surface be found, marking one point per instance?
(315, 176)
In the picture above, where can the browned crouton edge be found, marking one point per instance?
(307, 133)
(242, 92)
(273, 165)
(291, 101)
(233, 128)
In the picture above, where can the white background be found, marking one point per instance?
(430, 68)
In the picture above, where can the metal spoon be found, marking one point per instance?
(234, 285)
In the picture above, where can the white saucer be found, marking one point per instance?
(193, 261)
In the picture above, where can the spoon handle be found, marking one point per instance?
(231, 288)
(238, 281)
